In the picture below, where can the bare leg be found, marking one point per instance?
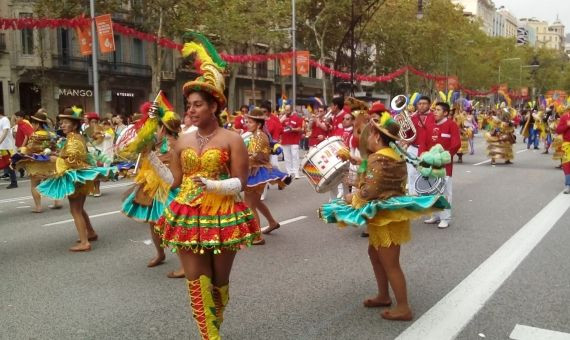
(252, 200)
(264, 210)
(34, 181)
(390, 259)
(91, 234)
(76, 208)
(97, 185)
(196, 264)
(159, 258)
(383, 297)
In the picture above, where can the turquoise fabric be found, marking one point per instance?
(62, 186)
(149, 213)
(339, 211)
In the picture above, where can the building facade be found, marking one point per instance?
(508, 24)
(547, 36)
(483, 10)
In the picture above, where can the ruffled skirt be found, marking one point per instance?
(146, 213)
(267, 176)
(189, 227)
(74, 182)
(388, 220)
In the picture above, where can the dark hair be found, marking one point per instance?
(444, 106)
(20, 114)
(425, 98)
(261, 122)
(1, 110)
(244, 106)
(266, 104)
(338, 102)
(386, 140)
(122, 117)
(105, 121)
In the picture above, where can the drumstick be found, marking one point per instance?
(137, 163)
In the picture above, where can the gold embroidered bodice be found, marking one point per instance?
(211, 164)
(258, 150)
(38, 142)
(73, 155)
(385, 177)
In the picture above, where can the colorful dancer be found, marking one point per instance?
(563, 129)
(74, 176)
(152, 194)
(381, 203)
(261, 172)
(34, 157)
(466, 133)
(501, 138)
(207, 222)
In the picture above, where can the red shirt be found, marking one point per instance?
(337, 129)
(316, 131)
(25, 129)
(346, 135)
(289, 137)
(447, 133)
(563, 128)
(274, 126)
(238, 123)
(422, 128)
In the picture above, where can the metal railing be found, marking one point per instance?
(258, 72)
(73, 63)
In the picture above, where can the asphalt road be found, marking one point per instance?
(307, 282)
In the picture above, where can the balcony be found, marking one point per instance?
(81, 64)
(246, 71)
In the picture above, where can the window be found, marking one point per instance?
(64, 46)
(138, 52)
(27, 36)
(117, 55)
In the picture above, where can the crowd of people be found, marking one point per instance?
(189, 172)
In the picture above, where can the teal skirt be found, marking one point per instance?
(395, 208)
(150, 213)
(65, 185)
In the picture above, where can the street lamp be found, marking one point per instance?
(11, 86)
(420, 13)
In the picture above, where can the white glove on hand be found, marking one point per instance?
(230, 186)
(162, 170)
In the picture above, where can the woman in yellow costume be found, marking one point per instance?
(208, 222)
(466, 132)
(34, 157)
(261, 172)
(381, 203)
(152, 194)
(501, 138)
(74, 177)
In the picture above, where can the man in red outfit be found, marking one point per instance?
(336, 128)
(446, 133)
(23, 131)
(319, 128)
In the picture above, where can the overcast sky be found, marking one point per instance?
(541, 9)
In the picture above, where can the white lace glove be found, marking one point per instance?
(161, 169)
(230, 186)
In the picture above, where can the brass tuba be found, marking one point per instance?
(407, 128)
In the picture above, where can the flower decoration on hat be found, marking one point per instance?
(212, 65)
(387, 125)
(72, 113)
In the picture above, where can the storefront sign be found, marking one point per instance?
(76, 92)
(125, 94)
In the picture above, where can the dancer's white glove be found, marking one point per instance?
(230, 186)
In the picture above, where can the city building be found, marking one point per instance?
(547, 36)
(483, 10)
(506, 23)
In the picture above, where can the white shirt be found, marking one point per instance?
(8, 142)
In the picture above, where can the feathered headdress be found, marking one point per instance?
(212, 65)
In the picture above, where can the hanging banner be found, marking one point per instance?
(303, 63)
(285, 66)
(105, 33)
(84, 39)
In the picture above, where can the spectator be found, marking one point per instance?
(23, 130)
(6, 148)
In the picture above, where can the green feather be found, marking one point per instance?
(209, 48)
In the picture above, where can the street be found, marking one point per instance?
(309, 280)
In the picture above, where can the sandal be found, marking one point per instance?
(258, 242)
(269, 229)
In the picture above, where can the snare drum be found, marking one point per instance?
(322, 167)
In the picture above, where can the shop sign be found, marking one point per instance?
(75, 92)
(125, 94)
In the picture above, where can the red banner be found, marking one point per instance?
(286, 67)
(105, 33)
(303, 63)
(84, 39)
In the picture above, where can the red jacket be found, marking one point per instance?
(316, 131)
(25, 129)
(447, 134)
(238, 123)
(289, 137)
(274, 127)
(563, 128)
(423, 128)
(337, 129)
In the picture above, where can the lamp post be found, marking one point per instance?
(94, 57)
(294, 60)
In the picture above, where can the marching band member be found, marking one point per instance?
(501, 138)
(293, 127)
(563, 129)
(152, 194)
(207, 222)
(446, 133)
(34, 157)
(261, 171)
(380, 203)
(74, 176)
(319, 128)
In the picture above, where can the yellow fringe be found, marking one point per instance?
(214, 203)
(151, 183)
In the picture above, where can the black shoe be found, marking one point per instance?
(12, 186)
(364, 234)
(287, 180)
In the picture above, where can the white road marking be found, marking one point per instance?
(23, 206)
(523, 150)
(450, 315)
(291, 220)
(522, 332)
(16, 199)
(90, 216)
(483, 162)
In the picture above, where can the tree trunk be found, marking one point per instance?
(232, 95)
(252, 51)
(156, 64)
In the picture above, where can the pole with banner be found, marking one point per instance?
(105, 33)
(94, 57)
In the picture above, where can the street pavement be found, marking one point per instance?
(308, 281)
